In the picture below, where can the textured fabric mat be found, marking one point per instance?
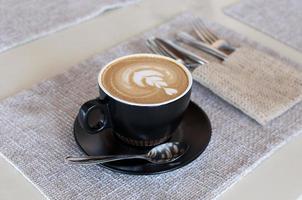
(258, 84)
(280, 19)
(22, 21)
(36, 135)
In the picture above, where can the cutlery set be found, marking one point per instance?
(207, 42)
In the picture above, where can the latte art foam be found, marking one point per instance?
(145, 80)
(150, 77)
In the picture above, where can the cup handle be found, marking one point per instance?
(85, 112)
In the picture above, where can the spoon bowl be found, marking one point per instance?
(167, 152)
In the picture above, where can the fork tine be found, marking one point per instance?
(158, 49)
(210, 33)
(154, 48)
(204, 31)
(200, 33)
(164, 49)
(151, 47)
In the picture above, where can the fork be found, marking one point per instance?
(207, 36)
(191, 41)
(157, 48)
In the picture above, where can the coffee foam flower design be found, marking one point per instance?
(154, 79)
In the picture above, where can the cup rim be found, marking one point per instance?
(188, 73)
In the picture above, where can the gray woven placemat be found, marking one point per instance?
(22, 21)
(280, 19)
(36, 135)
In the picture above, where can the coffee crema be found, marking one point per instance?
(145, 79)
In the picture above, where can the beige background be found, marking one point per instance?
(278, 178)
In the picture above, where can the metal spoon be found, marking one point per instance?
(164, 153)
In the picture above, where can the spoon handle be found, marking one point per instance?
(101, 159)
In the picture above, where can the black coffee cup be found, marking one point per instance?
(136, 124)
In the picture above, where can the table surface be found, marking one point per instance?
(278, 178)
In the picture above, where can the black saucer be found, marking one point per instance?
(195, 130)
